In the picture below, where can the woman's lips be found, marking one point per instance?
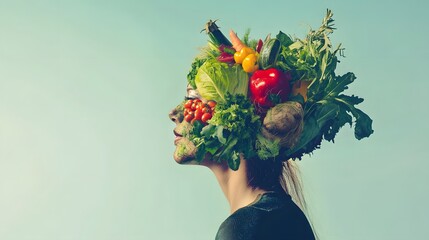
(177, 138)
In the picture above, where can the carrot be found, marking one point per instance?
(237, 44)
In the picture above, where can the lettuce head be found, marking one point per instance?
(215, 79)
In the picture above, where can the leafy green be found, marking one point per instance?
(215, 79)
(249, 42)
(326, 109)
(266, 148)
(304, 57)
(210, 51)
(233, 130)
(284, 39)
(196, 64)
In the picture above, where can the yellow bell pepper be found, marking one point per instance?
(249, 63)
(242, 54)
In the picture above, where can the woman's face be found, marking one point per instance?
(185, 149)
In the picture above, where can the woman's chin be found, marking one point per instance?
(185, 152)
(181, 159)
(187, 161)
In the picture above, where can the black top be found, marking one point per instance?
(273, 216)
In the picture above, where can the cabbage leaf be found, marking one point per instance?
(215, 79)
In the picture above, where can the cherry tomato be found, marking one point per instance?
(197, 106)
(211, 104)
(188, 104)
(204, 109)
(200, 105)
(189, 117)
(198, 114)
(193, 106)
(206, 117)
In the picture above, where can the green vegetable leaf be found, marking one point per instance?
(266, 148)
(341, 119)
(234, 161)
(199, 155)
(196, 64)
(215, 79)
(284, 39)
(232, 130)
(219, 134)
(326, 112)
(363, 124)
(326, 109)
(208, 131)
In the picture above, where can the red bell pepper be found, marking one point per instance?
(269, 87)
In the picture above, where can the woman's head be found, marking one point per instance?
(262, 96)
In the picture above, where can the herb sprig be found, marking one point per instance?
(326, 109)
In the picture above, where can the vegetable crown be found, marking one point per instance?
(247, 78)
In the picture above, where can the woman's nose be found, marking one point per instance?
(176, 115)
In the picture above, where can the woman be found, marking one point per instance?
(251, 107)
(260, 207)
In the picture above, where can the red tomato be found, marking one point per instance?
(189, 117)
(188, 104)
(211, 104)
(205, 109)
(197, 106)
(200, 104)
(193, 106)
(206, 117)
(198, 114)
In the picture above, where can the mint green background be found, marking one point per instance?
(86, 145)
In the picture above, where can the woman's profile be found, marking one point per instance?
(251, 108)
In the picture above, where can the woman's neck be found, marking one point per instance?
(234, 185)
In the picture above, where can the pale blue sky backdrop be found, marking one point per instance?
(86, 145)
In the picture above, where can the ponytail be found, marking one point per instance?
(291, 183)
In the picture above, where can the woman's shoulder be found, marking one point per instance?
(272, 216)
(242, 224)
